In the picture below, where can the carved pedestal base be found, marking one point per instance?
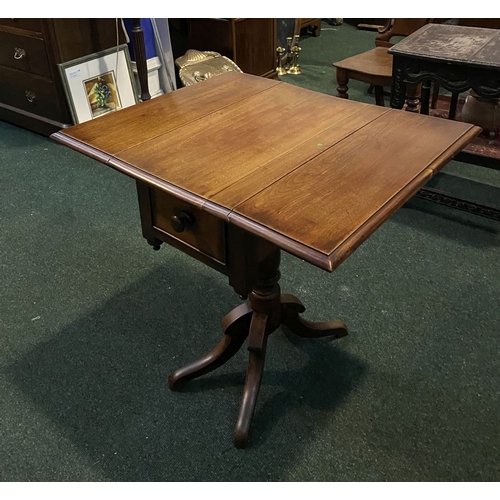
(266, 309)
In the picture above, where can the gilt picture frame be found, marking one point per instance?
(99, 83)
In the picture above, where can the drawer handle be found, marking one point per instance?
(30, 95)
(182, 221)
(19, 53)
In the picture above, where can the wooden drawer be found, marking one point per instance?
(191, 225)
(23, 24)
(32, 93)
(25, 53)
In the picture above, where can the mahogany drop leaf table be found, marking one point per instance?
(235, 169)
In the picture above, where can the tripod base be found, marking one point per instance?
(263, 313)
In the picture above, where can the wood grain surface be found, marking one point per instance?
(373, 62)
(348, 120)
(322, 203)
(212, 154)
(131, 126)
(310, 173)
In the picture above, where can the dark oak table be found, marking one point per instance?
(235, 169)
(460, 58)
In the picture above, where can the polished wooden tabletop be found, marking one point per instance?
(314, 174)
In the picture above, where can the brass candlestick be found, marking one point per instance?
(288, 51)
(295, 68)
(280, 69)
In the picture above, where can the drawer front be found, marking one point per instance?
(23, 24)
(29, 92)
(189, 224)
(24, 53)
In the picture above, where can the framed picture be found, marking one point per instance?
(98, 84)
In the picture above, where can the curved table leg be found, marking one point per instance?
(236, 326)
(265, 310)
(291, 307)
(257, 348)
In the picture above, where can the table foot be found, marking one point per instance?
(263, 313)
(236, 326)
(291, 307)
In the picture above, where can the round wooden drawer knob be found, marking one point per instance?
(181, 221)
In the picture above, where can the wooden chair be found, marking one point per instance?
(375, 66)
(312, 23)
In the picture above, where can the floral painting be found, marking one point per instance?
(102, 94)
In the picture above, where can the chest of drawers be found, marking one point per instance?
(31, 91)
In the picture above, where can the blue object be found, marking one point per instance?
(149, 37)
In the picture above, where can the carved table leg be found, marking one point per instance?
(291, 307)
(235, 325)
(342, 81)
(257, 352)
(398, 88)
(265, 302)
(412, 99)
(264, 312)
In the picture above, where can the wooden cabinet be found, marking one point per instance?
(31, 90)
(249, 42)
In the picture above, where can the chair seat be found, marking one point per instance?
(376, 62)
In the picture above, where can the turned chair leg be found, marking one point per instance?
(453, 105)
(342, 81)
(435, 94)
(425, 97)
(379, 95)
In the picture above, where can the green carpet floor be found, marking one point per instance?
(92, 321)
